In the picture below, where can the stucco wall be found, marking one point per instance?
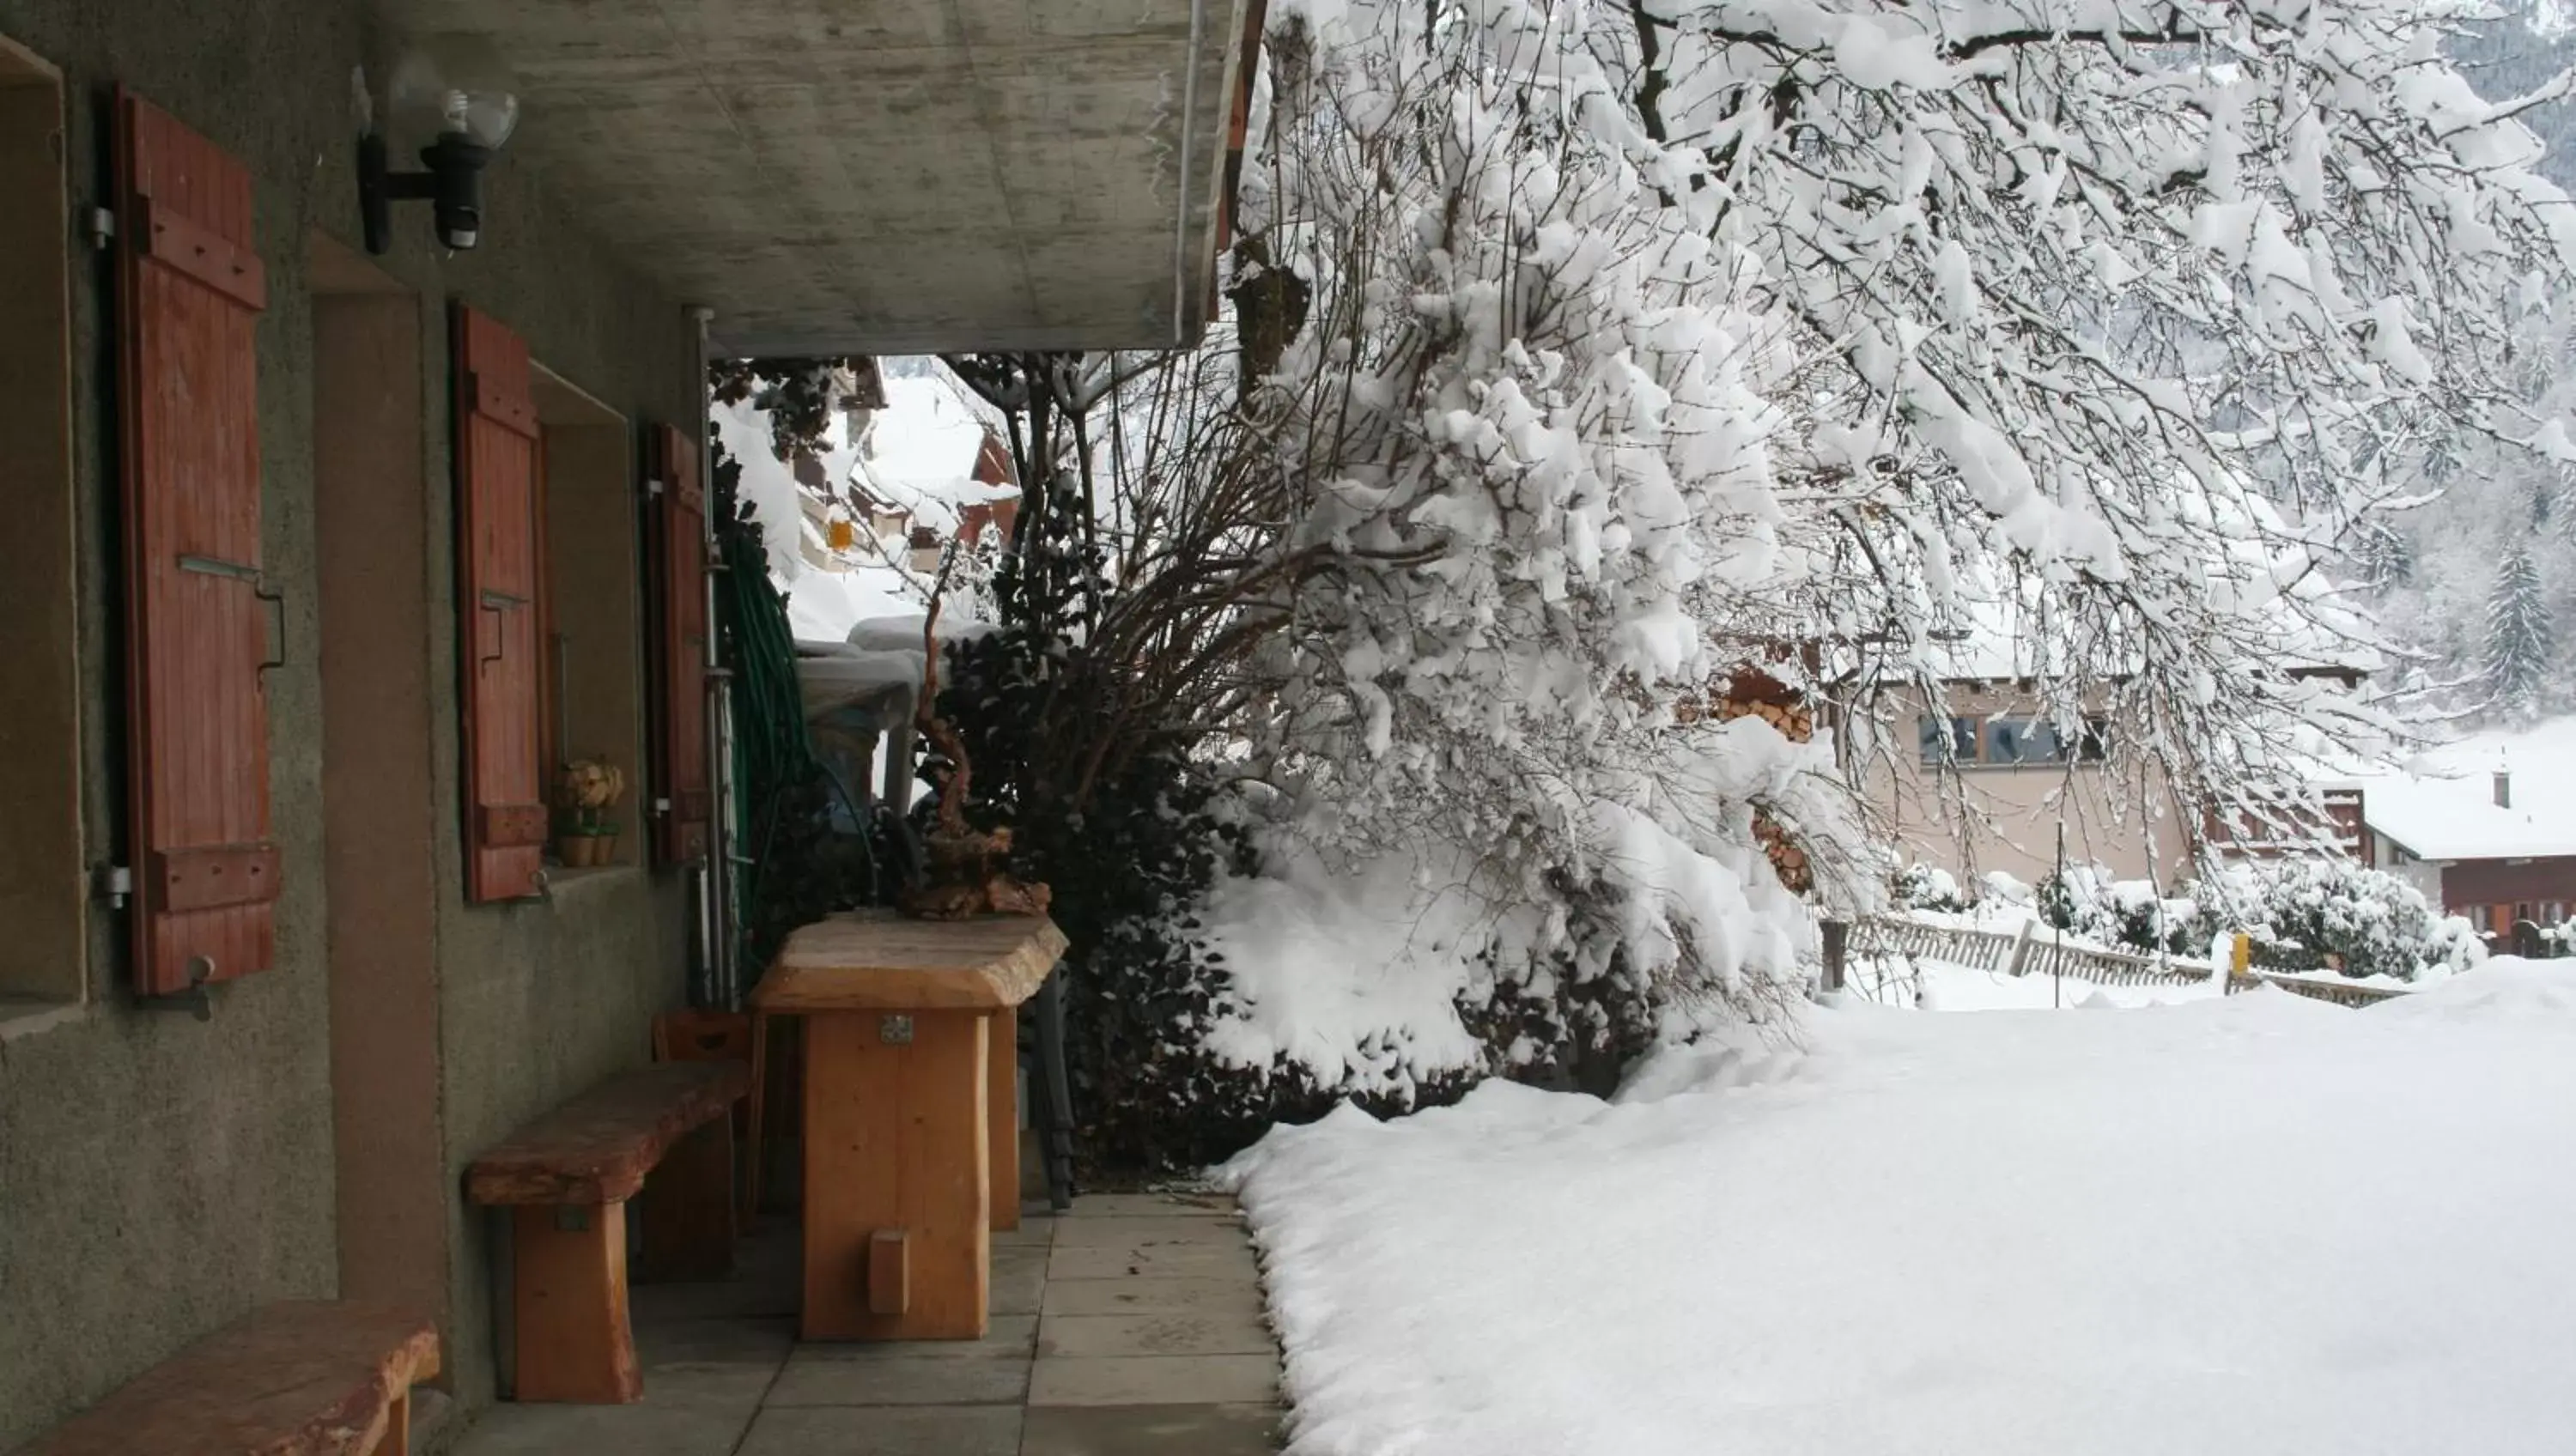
(159, 1176)
(1981, 818)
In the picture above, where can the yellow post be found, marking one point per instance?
(2240, 968)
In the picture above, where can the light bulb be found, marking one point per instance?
(455, 85)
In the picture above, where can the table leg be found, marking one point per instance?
(897, 1136)
(1002, 1106)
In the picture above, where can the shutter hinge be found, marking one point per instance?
(661, 806)
(113, 883)
(100, 227)
(652, 485)
(719, 674)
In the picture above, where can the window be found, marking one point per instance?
(2010, 741)
(549, 600)
(2094, 744)
(2482, 919)
(2022, 740)
(43, 896)
(590, 680)
(1961, 741)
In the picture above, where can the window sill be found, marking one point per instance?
(22, 1016)
(2004, 768)
(562, 881)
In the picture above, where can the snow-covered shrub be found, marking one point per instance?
(2090, 902)
(1920, 886)
(2327, 911)
(2002, 887)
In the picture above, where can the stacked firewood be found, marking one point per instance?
(1795, 723)
(1788, 861)
(1750, 692)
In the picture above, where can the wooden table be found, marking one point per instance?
(911, 1112)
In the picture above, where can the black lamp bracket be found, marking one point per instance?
(452, 185)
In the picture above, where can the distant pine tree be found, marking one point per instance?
(2517, 645)
(2386, 557)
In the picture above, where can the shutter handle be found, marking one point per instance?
(277, 614)
(495, 603)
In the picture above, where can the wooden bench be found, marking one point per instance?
(310, 1378)
(566, 1178)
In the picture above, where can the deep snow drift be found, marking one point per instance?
(2259, 1225)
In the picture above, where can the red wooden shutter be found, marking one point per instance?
(189, 294)
(680, 649)
(497, 586)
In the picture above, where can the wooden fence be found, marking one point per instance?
(2026, 953)
(2021, 954)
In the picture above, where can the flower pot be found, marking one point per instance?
(577, 851)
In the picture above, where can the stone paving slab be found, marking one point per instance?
(1231, 1260)
(1035, 1231)
(1098, 1233)
(648, 1429)
(1152, 1205)
(1006, 1337)
(1151, 1430)
(937, 1430)
(898, 1379)
(1019, 1281)
(1156, 1380)
(1151, 1343)
(1152, 1295)
(1152, 1334)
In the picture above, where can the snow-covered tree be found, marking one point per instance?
(1848, 315)
(1638, 342)
(2518, 648)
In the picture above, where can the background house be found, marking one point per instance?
(1989, 773)
(2485, 827)
(1988, 782)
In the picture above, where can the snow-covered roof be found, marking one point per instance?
(835, 675)
(2442, 806)
(918, 453)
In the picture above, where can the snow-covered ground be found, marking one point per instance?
(2252, 1225)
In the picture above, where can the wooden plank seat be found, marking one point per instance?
(305, 1378)
(566, 1178)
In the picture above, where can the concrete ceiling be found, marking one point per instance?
(885, 176)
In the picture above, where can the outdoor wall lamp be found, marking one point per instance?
(458, 89)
